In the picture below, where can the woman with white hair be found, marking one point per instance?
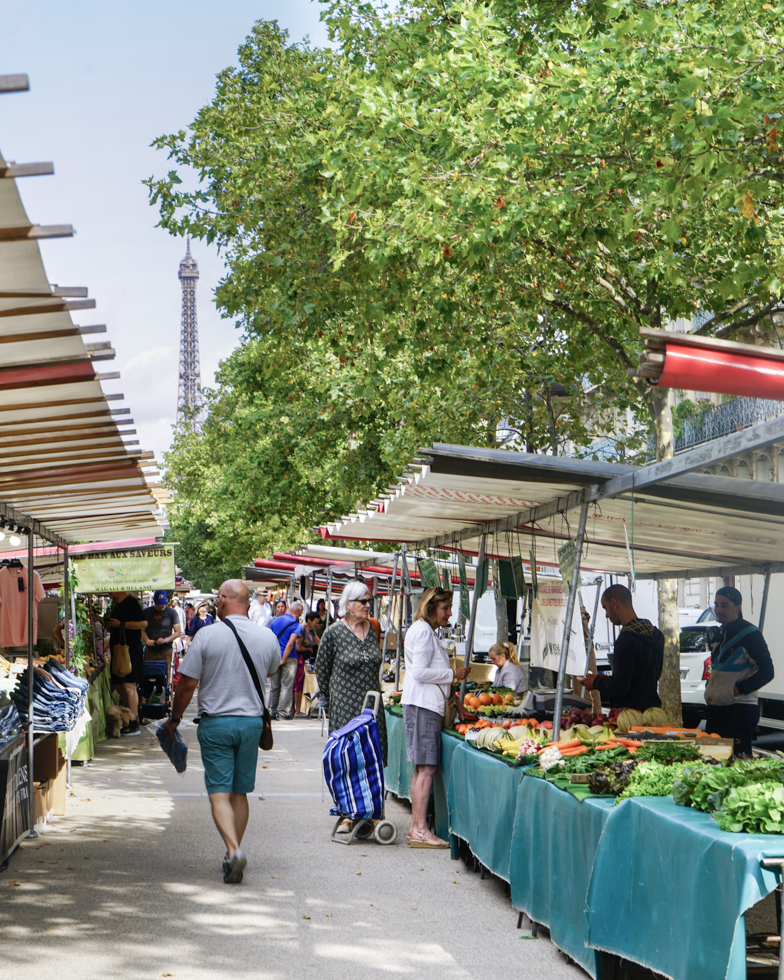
(348, 663)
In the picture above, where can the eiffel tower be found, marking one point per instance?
(188, 394)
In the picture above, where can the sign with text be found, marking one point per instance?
(548, 613)
(132, 570)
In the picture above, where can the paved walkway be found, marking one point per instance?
(128, 885)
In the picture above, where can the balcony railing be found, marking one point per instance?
(721, 420)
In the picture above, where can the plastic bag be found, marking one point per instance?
(175, 748)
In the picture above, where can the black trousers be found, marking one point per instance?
(736, 721)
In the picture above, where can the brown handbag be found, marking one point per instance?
(265, 741)
(121, 656)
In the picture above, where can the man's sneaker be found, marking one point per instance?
(132, 729)
(236, 865)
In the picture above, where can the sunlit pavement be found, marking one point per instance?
(129, 885)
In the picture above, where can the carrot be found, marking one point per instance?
(572, 744)
(606, 745)
(569, 753)
(628, 743)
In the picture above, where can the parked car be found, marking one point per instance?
(695, 650)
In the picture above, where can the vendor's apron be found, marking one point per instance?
(727, 669)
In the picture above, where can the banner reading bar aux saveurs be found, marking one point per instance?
(125, 571)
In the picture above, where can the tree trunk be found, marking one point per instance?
(501, 618)
(670, 680)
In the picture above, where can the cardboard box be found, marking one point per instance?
(47, 758)
(57, 792)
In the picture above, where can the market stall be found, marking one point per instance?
(67, 475)
(559, 847)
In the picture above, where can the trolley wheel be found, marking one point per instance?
(385, 832)
(365, 830)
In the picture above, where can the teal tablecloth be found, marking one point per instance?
(554, 842)
(669, 889)
(482, 795)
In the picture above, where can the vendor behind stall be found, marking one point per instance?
(740, 666)
(509, 673)
(638, 659)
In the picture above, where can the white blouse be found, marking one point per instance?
(428, 674)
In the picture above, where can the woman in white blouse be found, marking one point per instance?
(426, 688)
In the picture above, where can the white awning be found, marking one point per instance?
(693, 524)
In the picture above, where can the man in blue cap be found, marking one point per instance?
(162, 629)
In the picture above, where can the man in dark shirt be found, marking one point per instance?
(740, 666)
(638, 656)
(126, 620)
(162, 629)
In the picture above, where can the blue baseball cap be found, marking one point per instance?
(159, 598)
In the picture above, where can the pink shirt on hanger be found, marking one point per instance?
(13, 606)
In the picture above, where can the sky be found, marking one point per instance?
(106, 78)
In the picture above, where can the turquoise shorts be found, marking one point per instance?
(229, 751)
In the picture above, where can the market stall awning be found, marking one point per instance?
(65, 459)
(693, 524)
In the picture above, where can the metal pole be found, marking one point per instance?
(391, 594)
(568, 622)
(66, 590)
(469, 649)
(329, 596)
(592, 630)
(30, 680)
(764, 606)
(403, 577)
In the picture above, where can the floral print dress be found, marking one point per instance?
(346, 669)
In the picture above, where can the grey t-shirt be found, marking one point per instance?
(215, 660)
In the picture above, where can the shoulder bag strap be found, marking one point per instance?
(248, 663)
(729, 652)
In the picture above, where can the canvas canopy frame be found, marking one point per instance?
(686, 523)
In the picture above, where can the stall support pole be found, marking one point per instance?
(389, 626)
(570, 600)
(329, 596)
(474, 604)
(592, 630)
(30, 679)
(67, 608)
(398, 642)
(764, 606)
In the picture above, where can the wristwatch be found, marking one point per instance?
(176, 721)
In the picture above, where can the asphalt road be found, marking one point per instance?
(128, 885)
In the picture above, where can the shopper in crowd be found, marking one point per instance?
(348, 664)
(161, 631)
(426, 688)
(740, 665)
(260, 611)
(508, 674)
(230, 713)
(280, 608)
(638, 656)
(282, 683)
(307, 642)
(321, 609)
(201, 619)
(126, 621)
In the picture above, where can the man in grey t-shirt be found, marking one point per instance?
(230, 713)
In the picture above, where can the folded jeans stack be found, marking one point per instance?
(58, 698)
(10, 724)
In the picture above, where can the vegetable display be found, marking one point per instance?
(745, 795)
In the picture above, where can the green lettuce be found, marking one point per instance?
(756, 809)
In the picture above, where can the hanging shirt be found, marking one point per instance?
(13, 606)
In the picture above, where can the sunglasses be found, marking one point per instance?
(363, 602)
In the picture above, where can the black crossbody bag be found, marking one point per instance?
(265, 742)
